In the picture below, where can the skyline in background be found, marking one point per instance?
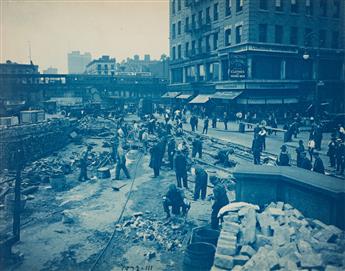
(116, 28)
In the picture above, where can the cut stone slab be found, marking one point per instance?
(275, 212)
(333, 268)
(229, 249)
(235, 206)
(231, 217)
(223, 261)
(227, 237)
(311, 260)
(240, 259)
(231, 227)
(248, 232)
(332, 258)
(262, 240)
(247, 251)
(287, 249)
(304, 247)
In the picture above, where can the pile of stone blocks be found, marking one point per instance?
(276, 238)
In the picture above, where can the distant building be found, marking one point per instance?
(102, 66)
(77, 62)
(50, 70)
(266, 51)
(14, 68)
(157, 68)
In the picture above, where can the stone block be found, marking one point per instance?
(333, 268)
(265, 220)
(286, 249)
(287, 206)
(215, 268)
(317, 224)
(304, 247)
(240, 259)
(287, 264)
(231, 227)
(237, 268)
(248, 251)
(231, 217)
(248, 232)
(227, 237)
(281, 236)
(262, 240)
(332, 258)
(326, 235)
(311, 260)
(275, 212)
(223, 261)
(229, 249)
(320, 246)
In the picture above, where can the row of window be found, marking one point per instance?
(295, 6)
(197, 47)
(294, 35)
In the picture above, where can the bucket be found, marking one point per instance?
(58, 182)
(206, 235)
(103, 173)
(199, 257)
(9, 203)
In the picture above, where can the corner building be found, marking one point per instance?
(259, 52)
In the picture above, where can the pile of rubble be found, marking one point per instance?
(167, 235)
(278, 238)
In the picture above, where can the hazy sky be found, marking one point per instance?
(119, 28)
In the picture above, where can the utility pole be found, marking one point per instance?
(18, 159)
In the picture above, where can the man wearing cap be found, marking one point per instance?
(201, 177)
(176, 199)
(181, 169)
(121, 164)
(318, 164)
(83, 165)
(197, 147)
(220, 200)
(284, 157)
(305, 163)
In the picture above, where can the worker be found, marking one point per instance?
(176, 199)
(114, 148)
(256, 150)
(318, 164)
(299, 150)
(206, 122)
(121, 163)
(305, 162)
(197, 147)
(181, 169)
(155, 160)
(200, 187)
(171, 152)
(83, 165)
(220, 200)
(284, 157)
(223, 157)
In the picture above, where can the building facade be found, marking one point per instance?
(77, 62)
(268, 51)
(50, 70)
(15, 68)
(102, 66)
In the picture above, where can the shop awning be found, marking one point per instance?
(172, 94)
(226, 95)
(184, 96)
(200, 99)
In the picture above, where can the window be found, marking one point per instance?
(193, 22)
(263, 4)
(207, 43)
(201, 72)
(200, 46)
(200, 18)
(308, 41)
(215, 12)
(294, 6)
(279, 5)
(262, 32)
(179, 51)
(227, 7)
(239, 5)
(335, 39)
(186, 52)
(173, 53)
(179, 28)
(279, 34)
(239, 34)
(294, 35)
(99, 66)
(322, 38)
(323, 7)
(186, 28)
(215, 41)
(309, 7)
(227, 37)
(173, 31)
(178, 5)
(173, 6)
(336, 9)
(208, 16)
(193, 47)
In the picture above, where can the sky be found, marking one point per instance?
(119, 28)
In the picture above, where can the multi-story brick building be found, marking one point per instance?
(102, 66)
(262, 51)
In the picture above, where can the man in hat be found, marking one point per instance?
(201, 177)
(121, 163)
(332, 146)
(318, 164)
(284, 157)
(83, 165)
(175, 199)
(305, 163)
(220, 200)
(206, 122)
(181, 169)
(197, 147)
(299, 150)
(256, 150)
(223, 157)
(171, 151)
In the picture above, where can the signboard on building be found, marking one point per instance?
(237, 67)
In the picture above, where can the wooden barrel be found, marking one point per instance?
(206, 235)
(199, 257)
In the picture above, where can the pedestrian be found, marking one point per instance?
(299, 150)
(175, 199)
(192, 123)
(121, 164)
(83, 165)
(318, 137)
(155, 160)
(262, 137)
(332, 146)
(257, 130)
(200, 187)
(340, 156)
(256, 150)
(225, 120)
(145, 140)
(311, 148)
(181, 169)
(284, 157)
(114, 148)
(214, 121)
(171, 152)
(220, 200)
(196, 123)
(205, 129)
(305, 162)
(318, 164)
(197, 147)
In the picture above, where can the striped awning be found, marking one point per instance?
(172, 94)
(200, 99)
(226, 95)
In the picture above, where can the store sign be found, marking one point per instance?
(237, 67)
